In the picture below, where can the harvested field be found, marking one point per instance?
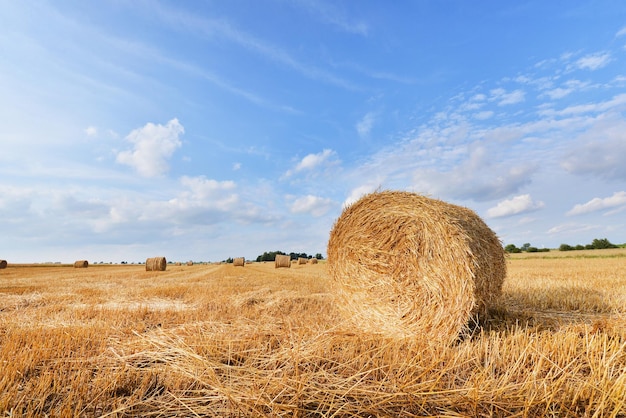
(216, 340)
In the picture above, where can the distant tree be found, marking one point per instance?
(318, 256)
(601, 244)
(565, 247)
(269, 256)
(532, 249)
(511, 248)
(525, 247)
(579, 247)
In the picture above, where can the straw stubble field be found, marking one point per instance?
(218, 340)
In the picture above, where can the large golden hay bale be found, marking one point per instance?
(313, 261)
(156, 264)
(302, 260)
(81, 264)
(239, 262)
(282, 261)
(406, 265)
(3, 264)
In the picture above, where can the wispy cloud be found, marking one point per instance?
(212, 28)
(566, 89)
(571, 228)
(330, 13)
(600, 151)
(364, 126)
(503, 98)
(617, 200)
(594, 61)
(91, 131)
(515, 206)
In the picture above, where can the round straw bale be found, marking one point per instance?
(156, 264)
(81, 264)
(313, 261)
(282, 261)
(177, 263)
(239, 262)
(407, 265)
(3, 264)
(302, 260)
(190, 263)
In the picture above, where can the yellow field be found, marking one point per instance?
(219, 340)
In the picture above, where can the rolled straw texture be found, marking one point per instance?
(156, 264)
(190, 263)
(81, 264)
(282, 261)
(3, 264)
(302, 260)
(406, 265)
(239, 262)
(313, 261)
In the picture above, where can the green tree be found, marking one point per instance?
(565, 247)
(269, 256)
(601, 244)
(511, 248)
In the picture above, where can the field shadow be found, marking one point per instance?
(563, 308)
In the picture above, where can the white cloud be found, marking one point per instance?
(598, 204)
(484, 115)
(236, 166)
(503, 98)
(567, 88)
(315, 205)
(312, 161)
(364, 126)
(359, 192)
(600, 151)
(153, 145)
(206, 189)
(621, 32)
(571, 228)
(594, 61)
(519, 204)
(91, 131)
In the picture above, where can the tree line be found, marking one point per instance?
(271, 256)
(596, 244)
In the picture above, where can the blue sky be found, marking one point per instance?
(215, 129)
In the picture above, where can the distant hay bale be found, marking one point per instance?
(190, 263)
(81, 264)
(313, 261)
(282, 261)
(302, 260)
(3, 264)
(156, 264)
(177, 263)
(239, 262)
(406, 265)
